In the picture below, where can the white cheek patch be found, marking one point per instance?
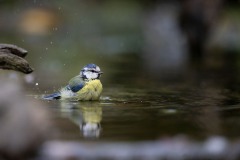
(91, 75)
(97, 69)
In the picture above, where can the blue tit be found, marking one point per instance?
(84, 87)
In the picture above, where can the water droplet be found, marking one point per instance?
(36, 84)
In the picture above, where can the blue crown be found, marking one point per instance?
(91, 65)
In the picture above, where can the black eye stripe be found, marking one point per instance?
(93, 71)
(90, 70)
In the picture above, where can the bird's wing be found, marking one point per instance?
(76, 84)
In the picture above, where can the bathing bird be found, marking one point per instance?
(84, 87)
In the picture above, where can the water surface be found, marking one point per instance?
(126, 113)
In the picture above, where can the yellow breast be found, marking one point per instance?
(91, 91)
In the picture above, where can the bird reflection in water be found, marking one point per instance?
(90, 123)
(87, 115)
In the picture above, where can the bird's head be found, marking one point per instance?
(90, 72)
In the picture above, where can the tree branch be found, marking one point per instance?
(12, 57)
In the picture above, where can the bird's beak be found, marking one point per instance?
(100, 72)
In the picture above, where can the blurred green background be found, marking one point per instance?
(141, 40)
(163, 56)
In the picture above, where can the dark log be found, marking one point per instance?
(12, 57)
(14, 49)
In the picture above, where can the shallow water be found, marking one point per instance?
(127, 113)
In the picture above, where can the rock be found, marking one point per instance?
(24, 123)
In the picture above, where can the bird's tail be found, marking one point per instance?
(53, 96)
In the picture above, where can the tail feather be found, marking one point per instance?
(53, 96)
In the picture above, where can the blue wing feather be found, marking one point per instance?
(76, 84)
(77, 87)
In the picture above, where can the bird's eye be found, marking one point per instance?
(93, 71)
